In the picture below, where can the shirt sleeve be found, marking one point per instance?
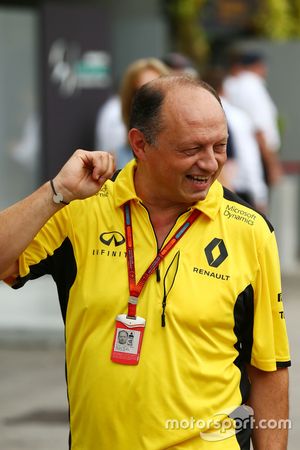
(270, 348)
(36, 260)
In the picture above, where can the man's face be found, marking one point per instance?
(190, 151)
(122, 337)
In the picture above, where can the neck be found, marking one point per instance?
(163, 213)
(154, 200)
(163, 220)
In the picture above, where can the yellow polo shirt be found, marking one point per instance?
(223, 309)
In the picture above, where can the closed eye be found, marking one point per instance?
(220, 148)
(191, 151)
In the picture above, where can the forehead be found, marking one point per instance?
(192, 104)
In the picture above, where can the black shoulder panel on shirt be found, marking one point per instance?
(62, 266)
(231, 196)
(115, 174)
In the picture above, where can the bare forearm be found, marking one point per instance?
(269, 400)
(271, 161)
(21, 222)
(82, 176)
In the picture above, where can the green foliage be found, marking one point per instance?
(295, 12)
(274, 19)
(278, 19)
(190, 37)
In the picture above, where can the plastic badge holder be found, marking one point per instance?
(128, 339)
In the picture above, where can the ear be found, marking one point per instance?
(137, 142)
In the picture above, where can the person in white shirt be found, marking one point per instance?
(110, 132)
(249, 176)
(246, 88)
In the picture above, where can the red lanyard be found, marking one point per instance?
(136, 288)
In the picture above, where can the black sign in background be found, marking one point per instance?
(68, 121)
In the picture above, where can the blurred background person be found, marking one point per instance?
(113, 119)
(180, 64)
(246, 88)
(26, 150)
(110, 131)
(243, 173)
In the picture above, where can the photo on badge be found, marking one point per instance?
(127, 341)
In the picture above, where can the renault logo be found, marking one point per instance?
(112, 236)
(216, 252)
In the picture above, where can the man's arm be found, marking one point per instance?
(269, 400)
(81, 177)
(270, 159)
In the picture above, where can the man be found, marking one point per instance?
(246, 88)
(166, 244)
(122, 337)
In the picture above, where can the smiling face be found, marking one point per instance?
(190, 151)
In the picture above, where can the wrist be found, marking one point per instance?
(58, 194)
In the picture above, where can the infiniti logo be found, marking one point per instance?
(112, 236)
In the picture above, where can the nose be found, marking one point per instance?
(207, 160)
